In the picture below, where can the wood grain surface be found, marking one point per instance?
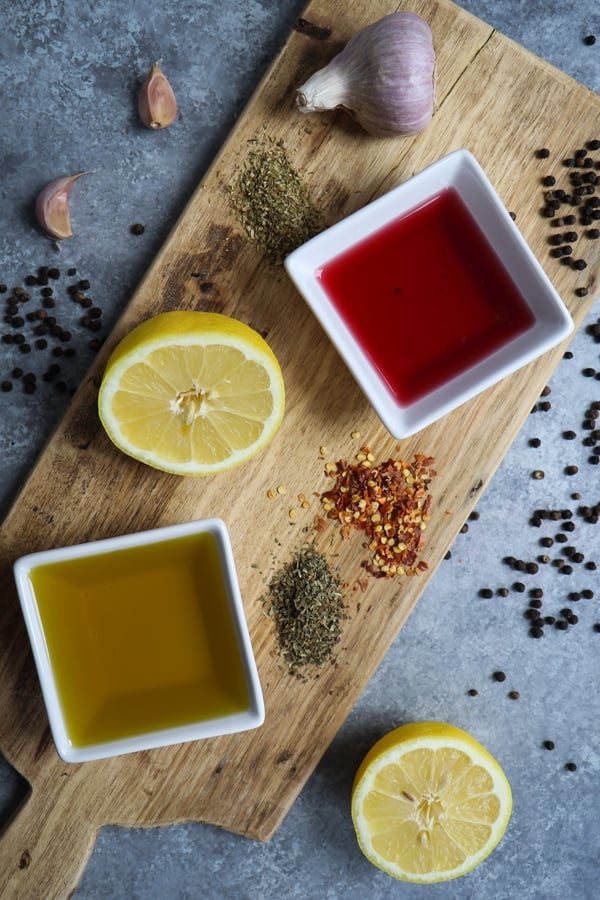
(493, 98)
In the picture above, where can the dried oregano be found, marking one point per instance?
(305, 602)
(272, 202)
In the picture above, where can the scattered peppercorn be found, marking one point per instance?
(499, 676)
(35, 332)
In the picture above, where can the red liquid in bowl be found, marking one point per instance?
(426, 297)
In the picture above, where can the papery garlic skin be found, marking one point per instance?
(384, 77)
(52, 207)
(157, 104)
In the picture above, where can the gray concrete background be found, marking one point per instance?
(69, 71)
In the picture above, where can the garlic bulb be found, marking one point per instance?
(157, 104)
(384, 77)
(52, 207)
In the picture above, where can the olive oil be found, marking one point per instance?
(141, 639)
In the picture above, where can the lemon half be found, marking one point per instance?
(429, 803)
(192, 393)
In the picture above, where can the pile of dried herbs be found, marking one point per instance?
(272, 202)
(306, 604)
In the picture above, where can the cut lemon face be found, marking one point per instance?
(192, 393)
(429, 803)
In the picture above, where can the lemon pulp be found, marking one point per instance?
(429, 803)
(192, 393)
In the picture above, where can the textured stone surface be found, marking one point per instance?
(70, 71)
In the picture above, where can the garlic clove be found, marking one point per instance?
(384, 77)
(52, 207)
(157, 104)
(326, 89)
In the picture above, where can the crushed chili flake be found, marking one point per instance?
(390, 502)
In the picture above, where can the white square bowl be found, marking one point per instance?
(169, 661)
(549, 320)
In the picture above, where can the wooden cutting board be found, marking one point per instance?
(500, 102)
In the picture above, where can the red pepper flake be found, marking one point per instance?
(319, 523)
(389, 502)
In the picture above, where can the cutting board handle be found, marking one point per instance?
(45, 846)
